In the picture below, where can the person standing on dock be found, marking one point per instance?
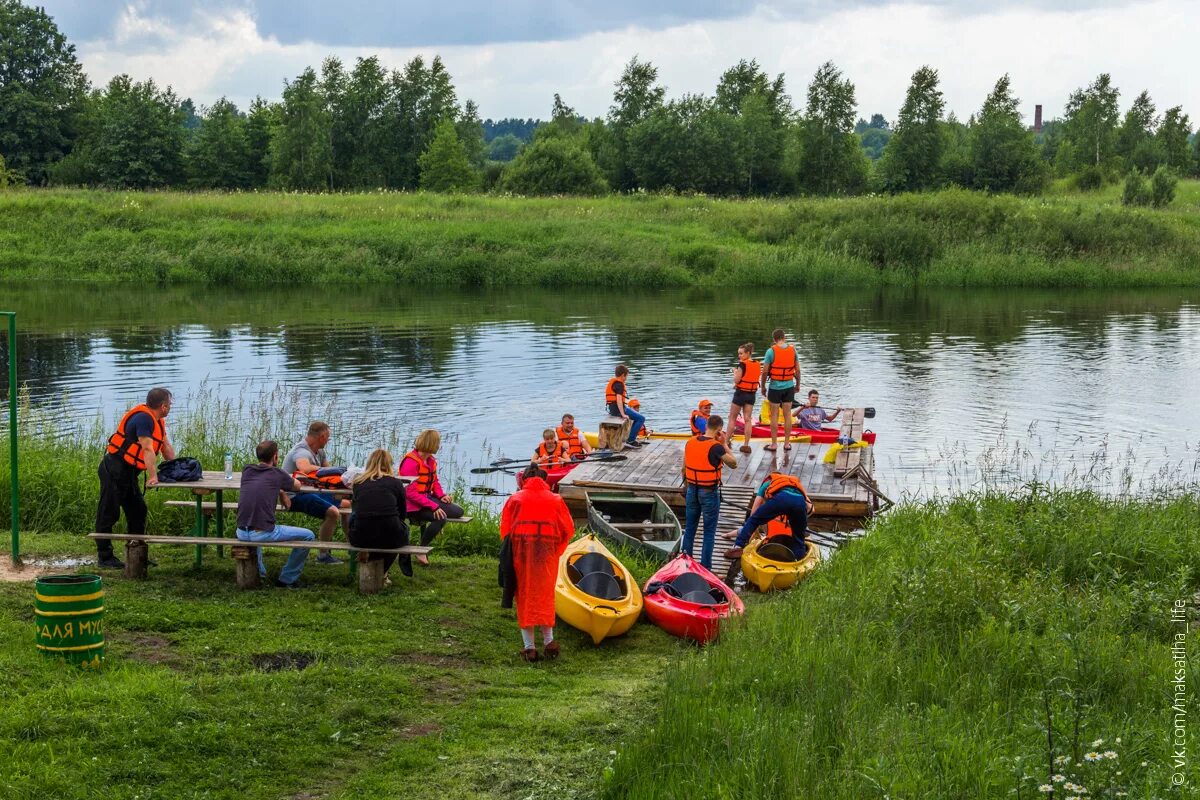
(141, 437)
(614, 397)
(699, 418)
(703, 458)
(780, 371)
(811, 417)
(745, 387)
(779, 495)
(538, 526)
(576, 443)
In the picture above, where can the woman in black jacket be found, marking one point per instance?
(379, 511)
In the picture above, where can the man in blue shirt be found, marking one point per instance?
(812, 416)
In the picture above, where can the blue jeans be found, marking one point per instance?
(638, 422)
(785, 504)
(704, 500)
(282, 533)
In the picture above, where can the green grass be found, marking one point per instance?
(925, 661)
(949, 238)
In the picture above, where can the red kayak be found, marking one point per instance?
(553, 476)
(762, 430)
(686, 600)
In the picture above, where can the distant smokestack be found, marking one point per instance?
(1037, 118)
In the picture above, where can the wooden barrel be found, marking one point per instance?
(69, 618)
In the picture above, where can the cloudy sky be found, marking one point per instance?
(510, 57)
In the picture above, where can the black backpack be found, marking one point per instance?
(180, 470)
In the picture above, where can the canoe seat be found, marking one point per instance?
(689, 582)
(700, 598)
(773, 551)
(600, 584)
(593, 562)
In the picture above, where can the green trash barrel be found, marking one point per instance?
(69, 619)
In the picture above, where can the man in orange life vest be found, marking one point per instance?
(614, 397)
(779, 495)
(141, 437)
(573, 438)
(781, 368)
(703, 457)
(699, 419)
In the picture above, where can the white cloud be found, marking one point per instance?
(1048, 52)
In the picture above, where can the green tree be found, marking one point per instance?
(504, 148)
(831, 160)
(689, 144)
(218, 156)
(912, 161)
(636, 94)
(763, 110)
(132, 137)
(301, 156)
(554, 165)
(470, 133)
(1090, 123)
(874, 141)
(747, 78)
(260, 126)
(1162, 186)
(444, 165)
(42, 90)
(1003, 156)
(1172, 139)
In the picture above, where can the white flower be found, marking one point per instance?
(1144, 764)
(1046, 788)
(1062, 760)
(1092, 756)
(1058, 778)
(1110, 754)
(1098, 743)
(1118, 740)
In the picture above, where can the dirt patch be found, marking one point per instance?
(456, 624)
(30, 569)
(449, 661)
(277, 662)
(419, 730)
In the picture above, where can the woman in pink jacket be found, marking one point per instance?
(428, 505)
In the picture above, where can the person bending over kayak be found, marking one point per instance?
(703, 457)
(306, 457)
(780, 371)
(745, 388)
(538, 527)
(427, 502)
(812, 416)
(573, 439)
(551, 453)
(614, 397)
(779, 495)
(700, 415)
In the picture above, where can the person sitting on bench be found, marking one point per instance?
(263, 485)
(427, 502)
(379, 508)
(308, 456)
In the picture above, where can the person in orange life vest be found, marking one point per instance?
(780, 371)
(538, 526)
(140, 438)
(745, 387)
(614, 398)
(306, 457)
(699, 419)
(551, 452)
(427, 502)
(636, 405)
(778, 495)
(703, 457)
(576, 443)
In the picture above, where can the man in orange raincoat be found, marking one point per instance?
(538, 527)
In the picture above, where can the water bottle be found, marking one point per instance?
(229, 466)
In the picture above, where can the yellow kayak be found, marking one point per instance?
(765, 574)
(595, 592)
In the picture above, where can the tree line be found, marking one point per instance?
(366, 127)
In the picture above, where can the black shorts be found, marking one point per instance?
(781, 396)
(743, 398)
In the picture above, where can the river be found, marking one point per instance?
(1081, 387)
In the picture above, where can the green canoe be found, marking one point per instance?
(640, 522)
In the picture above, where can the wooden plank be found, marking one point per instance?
(231, 505)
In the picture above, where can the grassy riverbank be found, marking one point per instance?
(949, 238)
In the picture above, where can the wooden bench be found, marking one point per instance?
(613, 433)
(210, 507)
(370, 572)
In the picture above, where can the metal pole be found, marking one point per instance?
(12, 436)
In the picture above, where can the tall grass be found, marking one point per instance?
(944, 238)
(972, 648)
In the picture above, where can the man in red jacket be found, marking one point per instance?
(538, 527)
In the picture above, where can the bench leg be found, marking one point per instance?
(136, 556)
(247, 566)
(370, 574)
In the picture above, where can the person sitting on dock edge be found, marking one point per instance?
(307, 456)
(551, 453)
(779, 495)
(811, 416)
(780, 371)
(263, 485)
(703, 458)
(576, 443)
(699, 419)
(614, 398)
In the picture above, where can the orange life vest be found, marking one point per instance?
(751, 372)
(697, 468)
(426, 472)
(696, 414)
(610, 394)
(778, 482)
(549, 457)
(783, 364)
(332, 479)
(128, 447)
(572, 440)
(779, 527)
